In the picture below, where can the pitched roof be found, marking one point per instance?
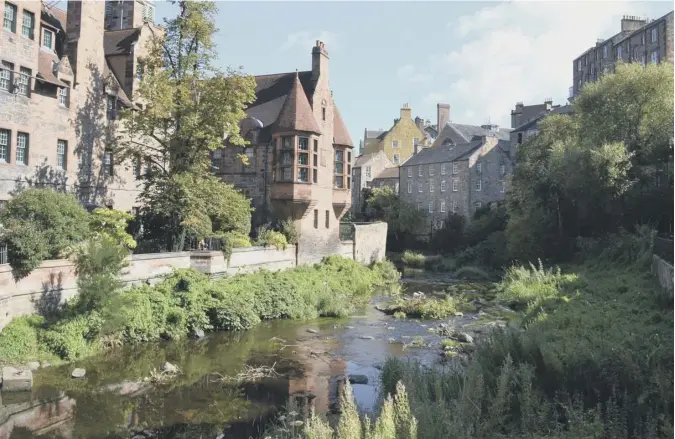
(340, 133)
(443, 154)
(119, 42)
(373, 134)
(296, 113)
(45, 72)
(531, 124)
(365, 158)
(460, 133)
(121, 94)
(54, 16)
(388, 173)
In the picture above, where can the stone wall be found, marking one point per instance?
(370, 242)
(663, 272)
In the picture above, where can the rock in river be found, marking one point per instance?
(33, 365)
(358, 379)
(312, 331)
(169, 368)
(366, 337)
(198, 333)
(463, 337)
(79, 373)
(16, 380)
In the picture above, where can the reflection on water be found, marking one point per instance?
(113, 401)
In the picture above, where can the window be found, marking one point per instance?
(63, 96)
(139, 70)
(454, 206)
(5, 136)
(442, 168)
(61, 150)
(28, 24)
(604, 51)
(323, 113)
(479, 185)
(431, 169)
(3, 253)
(409, 172)
(21, 149)
(419, 187)
(455, 185)
(249, 152)
(501, 187)
(216, 159)
(10, 17)
(655, 34)
(138, 165)
(24, 81)
(431, 186)
(655, 57)
(444, 186)
(327, 218)
(315, 170)
(316, 218)
(396, 188)
(478, 204)
(419, 171)
(107, 163)
(6, 75)
(520, 138)
(395, 158)
(112, 107)
(442, 205)
(419, 206)
(409, 183)
(303, 160)
(368, 171)
(339, 169)
(48, 39)
(479, 167)
(619, 52)
(502, 169)
(431, 206)
(455, 168)
(579, 65)
(642, 39)
(394, 144)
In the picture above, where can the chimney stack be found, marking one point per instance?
(319, 62)
(630, 23)
(442, 115)
(406, 113)
(420, 123)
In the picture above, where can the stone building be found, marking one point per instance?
(466, 169)
(405, 138)
(63, 80)
(366, 167)
(529, 122)
(298, 163)
(640, 40)
(388, 177)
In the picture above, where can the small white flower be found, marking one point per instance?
(297, 423)
(293, 414)
(282, 418)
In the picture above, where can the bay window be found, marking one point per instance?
(298, 159)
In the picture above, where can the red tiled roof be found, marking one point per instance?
(340, 133)
(45, 73)
(296, 113)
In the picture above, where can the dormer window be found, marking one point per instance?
(48, 39)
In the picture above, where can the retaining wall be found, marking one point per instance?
(664, 274)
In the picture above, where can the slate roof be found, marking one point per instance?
(365, 158)
(443, 154)
(374, 134)
(119, 42)
(54, 16)
(46, 60)
(460, 133)
(296, 113)
(565, 109)
(388, 173)
(340, 133)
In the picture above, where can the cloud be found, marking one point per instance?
(520, 51)
(433, 98)
(411, 73)
(305, 39)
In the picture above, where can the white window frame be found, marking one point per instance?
(454, 206)
(63, 96)
(410, 187)
(655, 34)
(45, 32)
(396, 188)
(442, 205)
(477, 205)
(61, 154)
(479, 167)
(655, 57)
(431, 206)
(6, 76)
(455, 168)
(420, 172)
(396, 159)
(29, 27)
(604, 52)
(502, 169)
(479, 185)
(431, 186)
(419, 205)
(409, 171)
(5, 142)
(108, 165)
(22, 145)
(442, 168)
(619, 52)
(431, 169)
(394, 144)
(23, 86)
(444, 186)
(455, 185)
(368, 171)
(11, 17)
(419, 187)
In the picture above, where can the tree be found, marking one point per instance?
(192, 106)
(586, 174)
(402, 218)
(40, 224)
(111, 224)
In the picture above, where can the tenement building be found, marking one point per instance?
(63, 79)
(525, 121)
(298, 161)
(465, 169)
(366, 167)
(640, 40)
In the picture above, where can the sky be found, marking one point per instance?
(479, 57)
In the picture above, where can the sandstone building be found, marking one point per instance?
(366, 167)
(298, 163)
(639, 40)
(466, 169)
(388, 177)
(63, 79)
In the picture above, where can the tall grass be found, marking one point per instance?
(595, 359)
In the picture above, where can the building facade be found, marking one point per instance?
(401, 141)
(125, 14)
(366, 167)
(457, 177)
(530, 126)
(388, 177)
(63, 80)
(640, 40)
(299, 156)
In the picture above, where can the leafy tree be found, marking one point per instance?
(191, 107)
(402, 218)
(587, 174)
(40, 224)
(111, 224)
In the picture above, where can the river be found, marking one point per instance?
(205, 399)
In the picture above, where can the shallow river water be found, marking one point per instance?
(113, 401)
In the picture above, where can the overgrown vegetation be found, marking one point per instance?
(423, 308)
(268, 237)
(188, 301)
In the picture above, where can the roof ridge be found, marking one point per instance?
(296, 113)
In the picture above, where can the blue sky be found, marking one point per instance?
(479, 57)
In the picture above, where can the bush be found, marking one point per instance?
(290, 231)
(19, 340)
(74, 338)
(237, 240)
(413, 259)
(269, 238)
(41, 224)
(112, 225)
(428, 309)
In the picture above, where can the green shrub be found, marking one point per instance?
(267, 237)
(413, 259)
(73, 338)
(111, 224)
(237, 239)
(290, 231)
(423, 308)
(19, 340)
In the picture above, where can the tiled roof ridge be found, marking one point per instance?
(296, 113)
(340, 133)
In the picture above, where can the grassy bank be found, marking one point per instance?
(187, 302)
(595, 361)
